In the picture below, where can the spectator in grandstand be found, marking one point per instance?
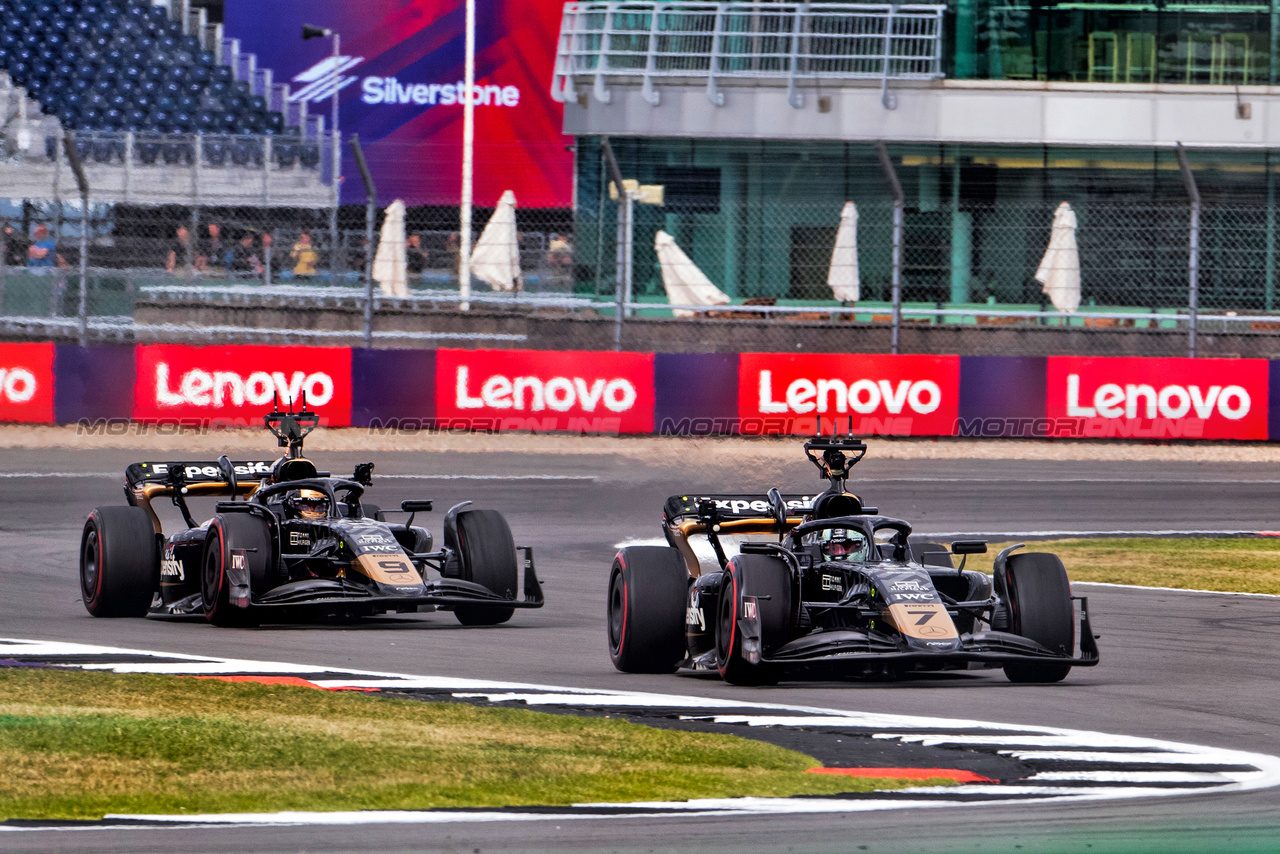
(357, 258)
(15, 247)
(179, 252)
(453, 249)
(415, 258)
(268, 255)
(304, 256)
(244, 257)
(559, 257)
(213, 251)
(43, 251)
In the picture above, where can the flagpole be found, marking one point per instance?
(468, 145)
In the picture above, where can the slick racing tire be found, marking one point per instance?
(372, 511)
(227, 533)
(1040, 609)
(768, 581)
(119, 562)
(487, 553)
(648, 593)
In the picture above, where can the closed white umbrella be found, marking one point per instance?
(1059, 270)
(843, 276)
(684, 282)
(496, 257)
(389, 269)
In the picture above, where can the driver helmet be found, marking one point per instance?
(840, 543)
(309, 503)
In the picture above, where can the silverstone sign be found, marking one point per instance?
(399, 85)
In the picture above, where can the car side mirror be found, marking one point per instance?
(413, 506)
(969, 547)
(228, 474)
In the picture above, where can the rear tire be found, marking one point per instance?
(233, 531)
(119, 562)
(648, 593)
(487, 552)
(1040, 608)
(767, 579)
(372, 511)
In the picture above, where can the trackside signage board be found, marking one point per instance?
(676, 394)
(240, 384)
(1158, 398)
(885, 395)
(582, 392)
(26, 382)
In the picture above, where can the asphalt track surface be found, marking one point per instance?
(1184, 667)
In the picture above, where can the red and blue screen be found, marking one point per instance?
(400, 78)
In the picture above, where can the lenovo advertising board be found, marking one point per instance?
(1139, 398)
(400, 84)
(581, 392)
(238, 385)
(26, 383)
(884, 395)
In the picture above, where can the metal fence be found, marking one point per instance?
(647, 41)
(965, 269)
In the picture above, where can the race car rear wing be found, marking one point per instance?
(737, 506)
(193, 472)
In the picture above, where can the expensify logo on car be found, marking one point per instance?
(895, 395)
(241, 382)
(26, 382)
(597, 392)
(1160, 398)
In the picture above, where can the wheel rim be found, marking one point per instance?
(617, 612)
(89, 565)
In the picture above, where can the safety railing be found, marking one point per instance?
(793, 42)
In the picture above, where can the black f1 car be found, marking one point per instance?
(826, 585)
(299, 541)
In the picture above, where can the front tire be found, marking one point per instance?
(648, 592)
(487, 553)
(768, 581)
(119, 562)
(227, 533)
(1040, 608)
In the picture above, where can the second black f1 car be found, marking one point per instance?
(299, 542)
(827, 585)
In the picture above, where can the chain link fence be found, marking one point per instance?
(765, 239)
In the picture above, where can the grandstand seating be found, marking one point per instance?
(106, 66)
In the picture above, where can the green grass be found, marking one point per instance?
(1229, 565)
(80, 745)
